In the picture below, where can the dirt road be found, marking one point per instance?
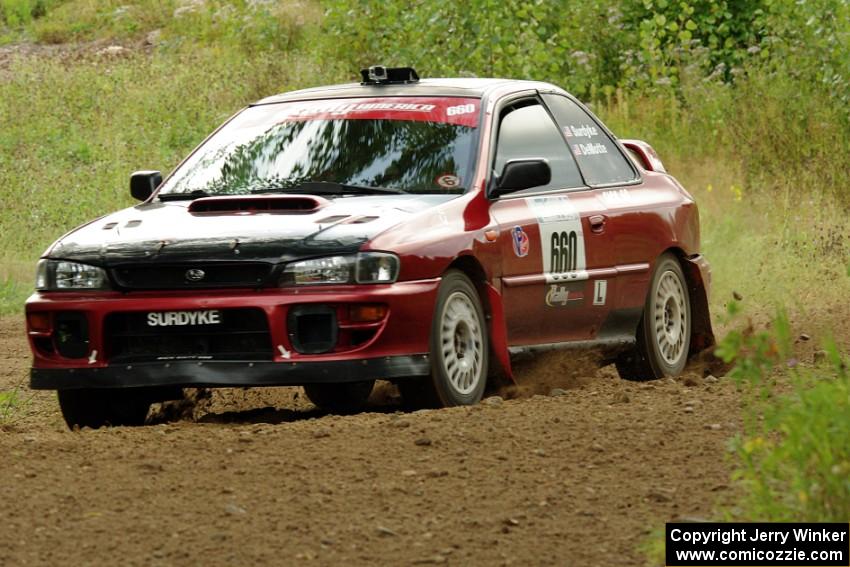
(259, 478)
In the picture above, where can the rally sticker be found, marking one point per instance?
(561, 238)
(562, 247)
(448, 181)
(521, 242)
(589, 149)
(600, 290)
(565, 295)
(617, 198)
(588, 131)
(427, 109)
(581, 131)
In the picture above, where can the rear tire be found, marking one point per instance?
(459, 349)
(345, 397)
(96, 408)
(664, 332)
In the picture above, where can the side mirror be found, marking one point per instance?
(144, 183)
(519, 174)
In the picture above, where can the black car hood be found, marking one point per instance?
(160, 232)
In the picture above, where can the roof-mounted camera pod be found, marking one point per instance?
(380, 75)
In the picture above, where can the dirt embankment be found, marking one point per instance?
(257, 476)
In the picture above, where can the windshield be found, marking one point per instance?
(416, 145)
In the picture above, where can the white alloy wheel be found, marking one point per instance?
(670, 318)
(461, 342)
(458, 349)
(663, 337)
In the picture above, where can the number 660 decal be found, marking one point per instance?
(564, 255)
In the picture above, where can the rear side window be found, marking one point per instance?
(597, 155)
(529, 132)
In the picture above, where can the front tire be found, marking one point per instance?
(345, 397)
(96, 408)
(459, 349)
(664, 331)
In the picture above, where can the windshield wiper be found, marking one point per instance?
(191, 196)
(329, 188)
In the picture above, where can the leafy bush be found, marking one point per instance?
(795, 452)
(533, 39)
(711, 37)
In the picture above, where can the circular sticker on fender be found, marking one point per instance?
(448, 181)
(520, 241)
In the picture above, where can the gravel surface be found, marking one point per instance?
(578, 477)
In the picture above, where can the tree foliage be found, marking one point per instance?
(597, 46)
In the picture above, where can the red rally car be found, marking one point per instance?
(422, 232)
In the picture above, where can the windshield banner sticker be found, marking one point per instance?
(460, 111)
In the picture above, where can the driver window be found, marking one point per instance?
(529, 132)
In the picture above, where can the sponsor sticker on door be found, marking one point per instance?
(570, 294)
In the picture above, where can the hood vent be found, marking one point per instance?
(250, 204)
(331, 219)
(362, 220)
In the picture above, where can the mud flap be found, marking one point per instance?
(498, 331)
(698, 272)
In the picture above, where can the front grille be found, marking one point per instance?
(239, 334)
(191, 276)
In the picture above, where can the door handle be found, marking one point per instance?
(597, 223)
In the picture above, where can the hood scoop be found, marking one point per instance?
(253, 204)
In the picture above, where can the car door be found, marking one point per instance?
(626, 205)
(552, 238)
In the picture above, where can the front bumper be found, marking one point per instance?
(228, 373)
(398, 348)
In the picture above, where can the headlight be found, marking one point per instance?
(57, 275)
(365, 268)
(377, 267)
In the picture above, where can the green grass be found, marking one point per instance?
(13, 292)
(12, 402)
(19, 13)
(247, 25)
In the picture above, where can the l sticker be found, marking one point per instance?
(600, 290)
